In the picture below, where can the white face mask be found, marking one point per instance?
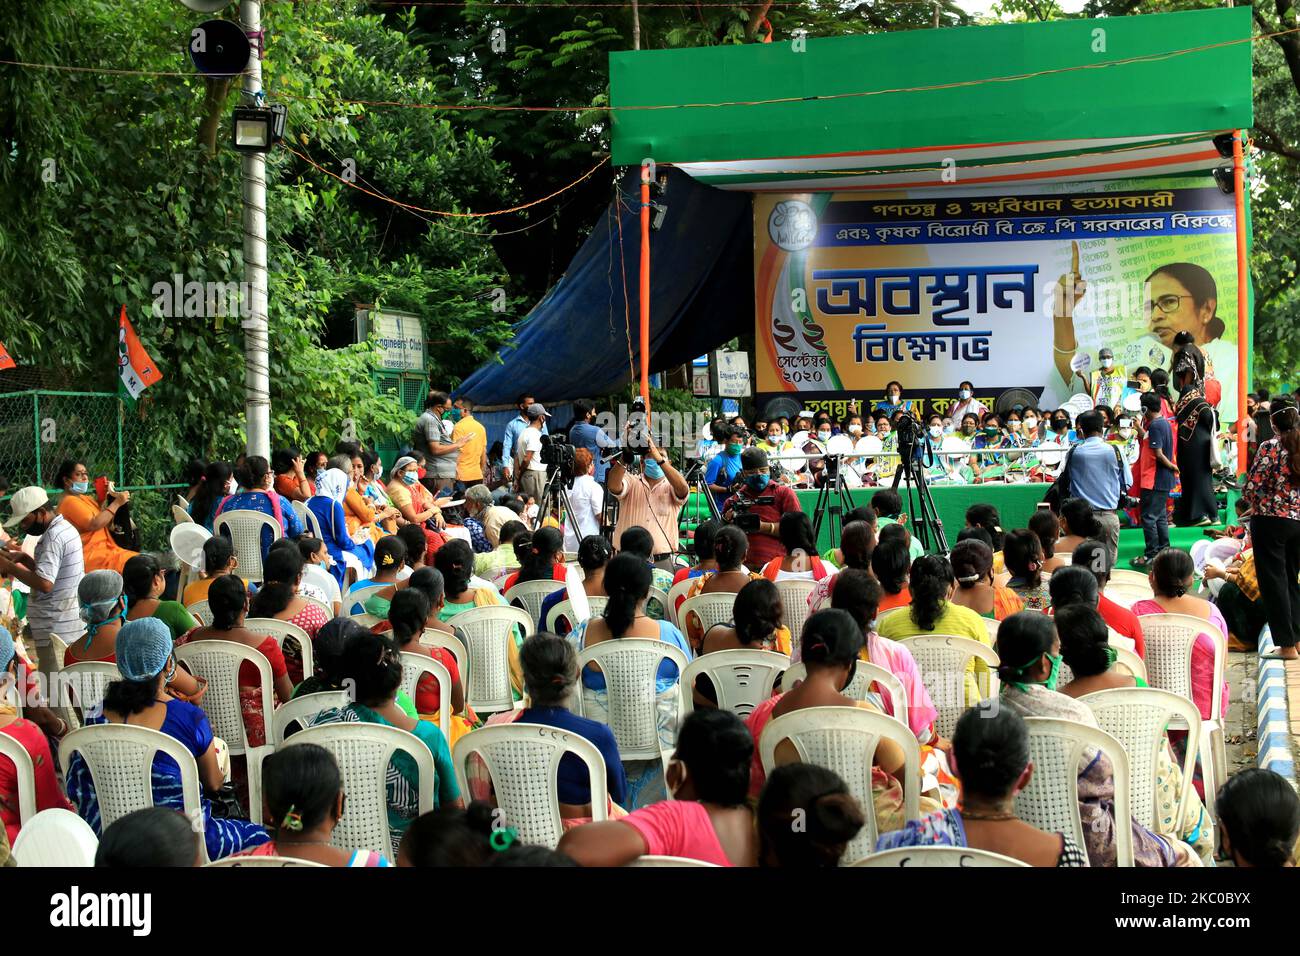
(1126, 433)
(1031, 424)
(855, 429)
(893, 398)
(1107, 363)
(823, 436)
(773, 437)
(936, 431)
(965, 394)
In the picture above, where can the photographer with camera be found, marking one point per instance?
(530, 477)
(584, 433)
(756, 507)
(651, 500)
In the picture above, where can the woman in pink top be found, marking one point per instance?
(1171, 577)
(707, 819)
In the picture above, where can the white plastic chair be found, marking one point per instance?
(244, 528)
(630, 665)
(893, 610)
(414, 667)
(262, 861)
(180, 516)
(201, 611)
(652, 860)
(26, 776)
(858, 688)
(282, 631)
(1137, 717)
(301, 510)
(449, 642)
(960, 856)
(564, 611)
(658, 596)
(86, 682)
(1125, 576)
(844, 739)
(120, 760)
(363, 752)
(485, 631)
(1170, 639)
(677, 591)
(298, 710)
(1129, 661)
(530, 594)
(991, 625)
(187, 540)
(523, 761)
(1127, 594)
(742, 678)
(56, 837)
(354, 601)
(715, 607)
(942, 661)
(218, 662)
(315, 575)
(365, 620)
(1051, 801)
(794, 605)
(11, 692)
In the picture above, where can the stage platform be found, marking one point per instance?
(1015, 504)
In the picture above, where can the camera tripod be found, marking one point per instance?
(925, 517)
(832, 499)
(556, 496)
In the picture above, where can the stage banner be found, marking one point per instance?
(932, 287)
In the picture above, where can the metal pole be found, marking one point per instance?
(1243, 281)
(644, 289)
(257, 386)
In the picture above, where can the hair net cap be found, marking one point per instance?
(143, 647)
(6, 648)
(99, 588)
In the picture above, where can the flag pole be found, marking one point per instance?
(257, 372)
(644, 294)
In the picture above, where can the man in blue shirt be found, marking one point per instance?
(511, 437)
(1100, 476)
(1157, 474)
(584, 434)
(724, 467)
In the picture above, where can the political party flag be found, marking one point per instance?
(133, 362)
(5, 360)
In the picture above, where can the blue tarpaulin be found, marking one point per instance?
(582, 339)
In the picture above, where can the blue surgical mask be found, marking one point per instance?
(652, 469)
(410, 477)
(757, 482)
(81, 487)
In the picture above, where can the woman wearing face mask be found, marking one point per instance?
(1197, 506)
(104, 613)
(255, 494)
(1030, 654)
(991, 435)
(967, 403)
(414, 502)
(894, 401)
(218, 483)
(725, 466)
(84, 513)
(773, 442)
(947, 468)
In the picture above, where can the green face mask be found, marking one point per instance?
(1052, 676)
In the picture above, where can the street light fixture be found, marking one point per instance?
(258, 128)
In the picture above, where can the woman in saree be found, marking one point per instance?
(1085, 647)
(1031, 660)
(92, 521)
(327, 506)
(1197, 505)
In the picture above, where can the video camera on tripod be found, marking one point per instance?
(913, 441)
(558, 456)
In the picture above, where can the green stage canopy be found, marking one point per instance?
(1074, 100)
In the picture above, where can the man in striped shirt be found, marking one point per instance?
(652, 500)
(53, 574)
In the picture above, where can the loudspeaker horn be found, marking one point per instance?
(219, 47)
(206, 6)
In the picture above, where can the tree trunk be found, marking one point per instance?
(756, 16)
(213, 108)
(636, 26)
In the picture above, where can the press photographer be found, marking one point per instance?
(652, 499)
(756, 507)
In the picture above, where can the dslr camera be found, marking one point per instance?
(557, 455)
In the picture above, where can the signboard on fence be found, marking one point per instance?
(400, 338)
(729, 374)
(931, 287)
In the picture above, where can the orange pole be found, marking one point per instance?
(1243, 279)
(644, 296)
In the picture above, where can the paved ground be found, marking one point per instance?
(1241, 724)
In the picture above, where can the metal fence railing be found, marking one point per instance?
(39, 430)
